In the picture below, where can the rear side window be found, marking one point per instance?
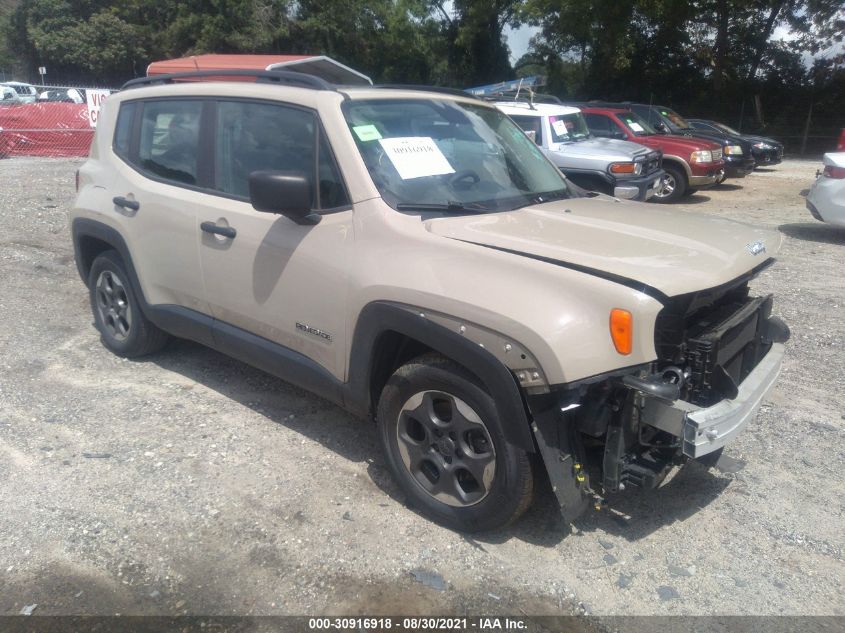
(123, 129)
(168, 146)
(254, 136)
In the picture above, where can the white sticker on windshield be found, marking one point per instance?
(560, 128)
(635, 126)
(416, 156)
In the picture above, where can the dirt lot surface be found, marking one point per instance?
(191, 483)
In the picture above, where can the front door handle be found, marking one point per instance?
(126, 204)
(225, 231)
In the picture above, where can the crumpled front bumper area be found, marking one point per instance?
(703, 430)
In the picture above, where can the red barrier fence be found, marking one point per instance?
(45, 129)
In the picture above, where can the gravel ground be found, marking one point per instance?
(191, 483)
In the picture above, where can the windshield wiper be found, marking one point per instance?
(448, 207)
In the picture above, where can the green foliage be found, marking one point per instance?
(703, 56)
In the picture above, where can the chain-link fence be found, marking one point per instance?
(48, 120)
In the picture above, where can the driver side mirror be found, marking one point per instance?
(286, 193)
(661, 127)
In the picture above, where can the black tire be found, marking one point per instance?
(117, 312)
(673, 186)
(690, 192)
(465, 504)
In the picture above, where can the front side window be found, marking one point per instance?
(727, 128)
(568, 128)
(253, 136)
(450, 156)
(169, 142)
(638, 125)
(260, 136)
(599, 123)
(677, 120)
(533, 126)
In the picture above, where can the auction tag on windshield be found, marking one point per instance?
(416, 156)
(560, 128)
(367, 132)
(635, 126)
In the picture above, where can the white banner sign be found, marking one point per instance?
(416, 156)
(95, 100)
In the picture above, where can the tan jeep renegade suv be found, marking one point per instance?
(413, 257)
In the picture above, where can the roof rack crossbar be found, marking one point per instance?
(286, 77)
(449, 91)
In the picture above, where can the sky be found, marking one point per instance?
(518, 40)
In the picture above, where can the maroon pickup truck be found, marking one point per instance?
(690, 163)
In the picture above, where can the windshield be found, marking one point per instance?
(728, 129)
(636, 124)
(676, 119)
(567, 128)
(431, 154)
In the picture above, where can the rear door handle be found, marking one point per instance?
(225, 231)
(126, 204)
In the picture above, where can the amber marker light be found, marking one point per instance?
(622, 330)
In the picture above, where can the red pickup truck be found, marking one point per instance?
(690, 163)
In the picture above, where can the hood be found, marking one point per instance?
(608, 148)
(676, 144)
(632, 243)
(753, 138)
(834, 159)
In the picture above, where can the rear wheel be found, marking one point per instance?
(445, 446)
(674, 184)
(117, 312)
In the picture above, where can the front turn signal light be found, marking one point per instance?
(622, 330)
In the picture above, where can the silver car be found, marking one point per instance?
(617, 168)
(826, 200)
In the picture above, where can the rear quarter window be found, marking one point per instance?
(123, 129)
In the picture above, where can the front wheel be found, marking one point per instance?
(674, 184)
(445, 446)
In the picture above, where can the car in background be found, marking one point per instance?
(8, 96)
(765, 150)
(690, 163)
(617, 168)
(739, 162)
(27, 93)
(826, 199)
(69, 95)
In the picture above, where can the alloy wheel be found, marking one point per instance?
(113, 305)
(668, 186)
(446, 448)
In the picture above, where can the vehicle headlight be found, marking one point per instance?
(762, 145)
(733, 150)
(626, 168)
(701, 156)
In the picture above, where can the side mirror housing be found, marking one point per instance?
(286, 193)
(660, 127)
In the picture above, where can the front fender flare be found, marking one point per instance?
(380, 317)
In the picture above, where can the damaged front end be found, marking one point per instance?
(719, 353)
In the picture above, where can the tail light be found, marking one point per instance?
(840, 146)
(834, 172)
